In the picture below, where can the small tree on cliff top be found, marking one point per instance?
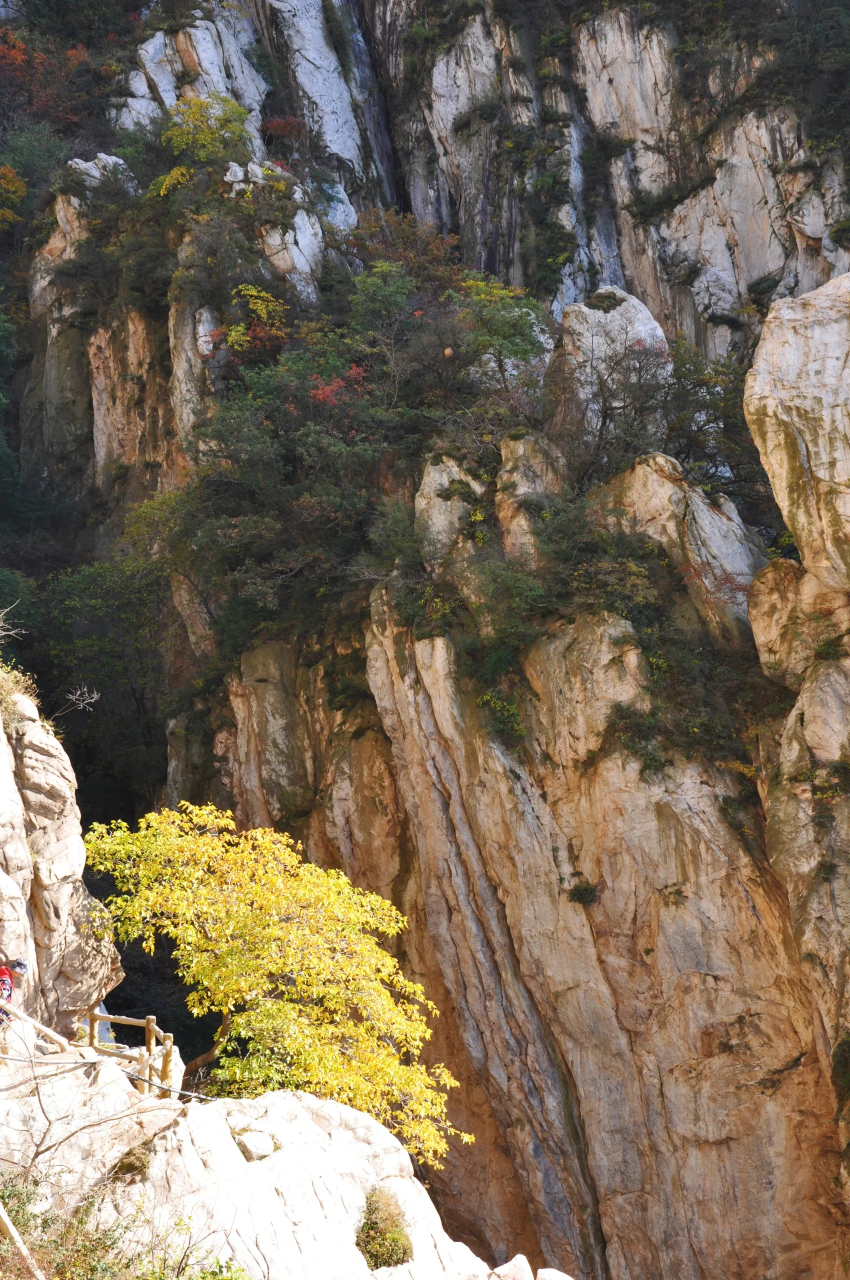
(288, 954)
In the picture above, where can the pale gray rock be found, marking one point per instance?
(760, 202)
(797, 404)
(439, 514)
(203, 59)
(276, 1185)
(516, 1269)
(531, 468)
(94, 171)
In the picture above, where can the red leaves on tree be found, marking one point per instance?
(38, 79)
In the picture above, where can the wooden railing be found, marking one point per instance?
(145, 1078)
(146, 1069)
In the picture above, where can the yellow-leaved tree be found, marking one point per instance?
(289, 955)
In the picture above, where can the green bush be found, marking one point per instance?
(382, 1236)
(583, 892)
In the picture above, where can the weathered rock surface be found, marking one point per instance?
(717, 554)
(598, 335)
(202, 59)
(642, 1010)
(338, 97)
(532, 469)
(639, 1014)
(797, 403)
(612, 1043)
(794, 616)
(46, 915)
(741, 216)
(277, 1185)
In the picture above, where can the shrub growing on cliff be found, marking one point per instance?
(382, 1235)
(206, 129)
(288, 954)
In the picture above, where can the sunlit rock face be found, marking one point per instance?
(797, 403)
(276, 1186)
(707, 227)
(795, 618)
(642, 1001)
(46, 915)
(796, 407)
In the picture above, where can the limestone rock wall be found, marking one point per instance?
(46, 915)
(647, 1062)
(276, 1186)
(796, 406)
(706, 215)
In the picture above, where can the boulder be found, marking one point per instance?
(531, 468)
(442, 507)
(276, 1185)
(516, 1269)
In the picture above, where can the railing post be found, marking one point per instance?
(142, 1071)
(150, 1032)
(92, 1027)
(165, 1069)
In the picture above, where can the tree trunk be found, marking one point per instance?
(193, 1067)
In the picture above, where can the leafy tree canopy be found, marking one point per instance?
(205, 129)
(289, 954)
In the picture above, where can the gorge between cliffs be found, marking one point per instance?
(426, 432)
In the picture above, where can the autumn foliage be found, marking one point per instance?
(289, 955)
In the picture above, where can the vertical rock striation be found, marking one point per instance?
(46, 915)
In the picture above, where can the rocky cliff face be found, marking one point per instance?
(642, 974)
(276, 1186)
(48, 917)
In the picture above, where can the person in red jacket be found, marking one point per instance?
(8, 973)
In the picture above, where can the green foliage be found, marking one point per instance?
(33, 150)
(72, 1246)
(12, 681)
(706, 703)
(87, 20)
(841, 1069)
(840, 232)
(583, 892)
(285, 506)
(640, 399)
(382, 1236)
(106, 633)
(340, 43)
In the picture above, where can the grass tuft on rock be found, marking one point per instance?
(382, 1236)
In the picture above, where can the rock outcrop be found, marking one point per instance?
(715, 552)
(707, 210)
(708, 228)
(643, 994)
(277, 1185)
(796, 407)
(796, 619)
(797, 403)
(46, 915)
